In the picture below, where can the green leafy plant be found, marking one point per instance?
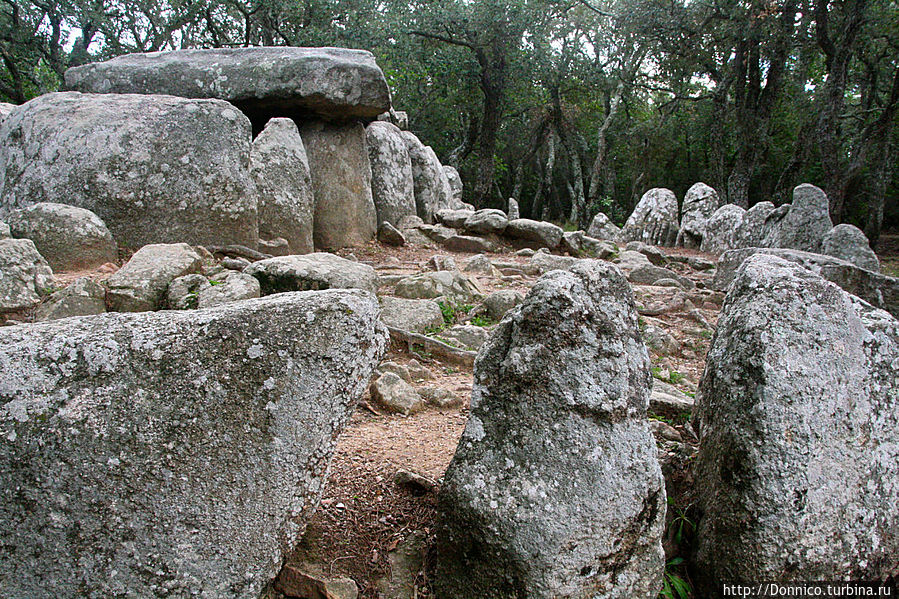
(674, 586)
(681, 523)
(452, 311)
(481, 321)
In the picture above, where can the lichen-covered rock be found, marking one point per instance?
(345, 214)
(312, 272)
(184, 292)
(142, 283)
(411, 314)
(487, 221)
(468, 336)
(652, 253)
(541, 233)
(543, 262)
(5, 109)
(453, 286)
(879, 290)
(84, 297)
(5, 231)
(280, 169)
(173, 454)
(455, 183)
(849, 243)
(798, 416)
(654, 219)
(514, 211)
(481, 265)
(155, 169)
(722, 229)
(432, 188)
(229, 286)
(555, 489)
(68, 237)
(754, 228)
(336, 83)
(603, 228)
(469, 243)
(395, 395)
(700, 204)
(25, 276)
(390, 235)
(453, 218)
(806, 222)
(392, 185)
(501, 301)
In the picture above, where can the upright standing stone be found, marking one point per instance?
(280, 169)
(849, 243)
(392, 186)
(722, 230)
(173, 454)
(514, 212)
(432, 188)
(601, 227)
(155, 169)
(805, 224)
(555, 489)
(700, 204)
(798, 415)
(753, 228)
(345, 213)
(654, 219)
(456, 187)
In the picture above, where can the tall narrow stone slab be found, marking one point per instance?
(392, 185)
(345, 213)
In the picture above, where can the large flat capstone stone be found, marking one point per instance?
(173, 454)
(334, 83)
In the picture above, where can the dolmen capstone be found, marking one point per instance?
(555, 489)
(177, 453)
(798, 416)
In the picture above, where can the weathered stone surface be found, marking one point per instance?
(545, 234)
(654, 219)
(5, 231)
(577, 244)
(5, 109)
(227, 287)
(400, 118)
(410, 314)
(848, 243)
(280, 169)
(668, 401)
(700, 204)
(390, 235)
(432, 188)
(469, 243)
(652, 253)
(68, 237)
(84, 297)
(437, 233)
(754, 228)
(155, 169)
(454, 286)
(439, 262)
(142, 283)
(173, 453)
(480, 265)
(309, 580)
(805, 223)
(184, 292)
(555, 489)
(501, 301)
(453, 218)
(335, 83)
(486, 221)
(879, 290)
(312, 272)
(514, 211)
(603, 228)
(722, 229)
(543, 262)
(649, 274)
(274, 247)
(24, 275)
(467, 336)
(392, 185)
(455, 183)
(798, 416)
(345, 213)
(395, 395)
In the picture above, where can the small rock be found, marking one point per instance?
(5, 231)
(419, 484)
(418, 372)
(603, 228)
(546, 234)
(312, 272)
(229, 286)
(415, 315)
(469, 336)
(141, 284)
(276, 247)
(665, 431)
(397, 369)
(526, 252)
(25, 276)
(441, 263)
(395, 395)
(308, 582)
(406, 562)
(235, 263)
(437, 233)
(390, 235)
(453, 218)
(82, 298)
(480, 265)
(500, 302)
(848, 243)
(486, 222)
(543, 262)
(469, 243)
(184, 292)
(429, 285)
(440, 397)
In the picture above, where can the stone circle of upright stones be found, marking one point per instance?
(153, 168)
(700, 203)
(555, 489)
(654, 219)
(798, 415)
(134, 462)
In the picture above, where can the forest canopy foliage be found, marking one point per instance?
(573, 106)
